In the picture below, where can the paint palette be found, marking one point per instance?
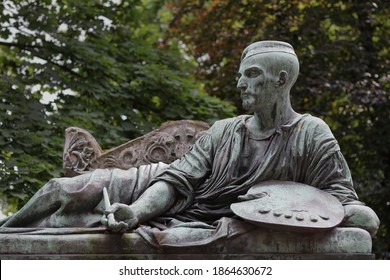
(290, 206)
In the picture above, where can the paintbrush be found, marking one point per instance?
(107, 204)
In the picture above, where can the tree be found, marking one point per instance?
(102, 65)
(344, 54)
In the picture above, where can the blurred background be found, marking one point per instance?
(120, 68)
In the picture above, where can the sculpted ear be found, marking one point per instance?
(282, 78)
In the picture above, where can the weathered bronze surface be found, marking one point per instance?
(290, 205)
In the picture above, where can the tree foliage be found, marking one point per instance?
(121, 67)
(345, 78)
(101, 64)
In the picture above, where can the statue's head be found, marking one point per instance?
(268, 69)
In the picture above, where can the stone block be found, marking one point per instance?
(339, 243)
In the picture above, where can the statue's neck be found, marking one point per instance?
(267, 120)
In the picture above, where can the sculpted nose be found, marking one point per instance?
(241, 84)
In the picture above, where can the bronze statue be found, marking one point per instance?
(197, 190)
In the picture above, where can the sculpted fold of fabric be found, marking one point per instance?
(77, 201)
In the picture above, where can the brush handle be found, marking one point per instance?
(107, 204)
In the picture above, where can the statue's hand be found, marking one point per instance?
(119, 217)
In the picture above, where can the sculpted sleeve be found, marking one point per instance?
(188, 172)
(327, 168)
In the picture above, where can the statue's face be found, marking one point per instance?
(257, 86)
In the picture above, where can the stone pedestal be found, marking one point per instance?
(339, 243)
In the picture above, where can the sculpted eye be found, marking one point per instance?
(253, 73)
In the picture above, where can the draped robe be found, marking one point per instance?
(208, 180)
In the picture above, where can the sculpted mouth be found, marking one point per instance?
(245, 94)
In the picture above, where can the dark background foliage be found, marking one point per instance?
(101, 64)
(121, 68)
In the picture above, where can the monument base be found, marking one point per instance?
(339, 243)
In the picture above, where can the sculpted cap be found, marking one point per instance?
(267, 47)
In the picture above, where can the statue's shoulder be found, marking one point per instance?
(231, 121)
(315, 125)
(227, 125)
(317, 135)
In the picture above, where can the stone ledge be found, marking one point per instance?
(339, 243)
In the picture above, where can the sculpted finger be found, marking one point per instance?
(111, 222)
(132, 223)
(111, 209)
(119, 227)
(251, 196)
(104, 220)
(122, 226)
(113, 226)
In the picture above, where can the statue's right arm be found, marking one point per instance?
(172, 190)
(156, 200)
(186, 174)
